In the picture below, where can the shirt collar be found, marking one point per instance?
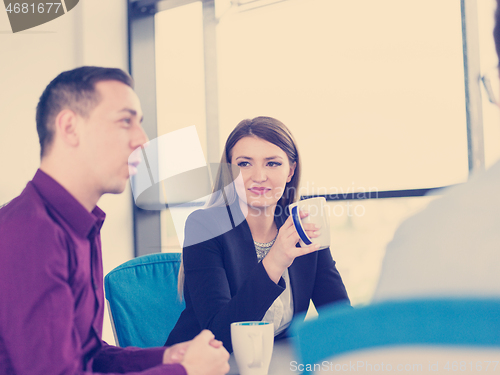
(67, 206)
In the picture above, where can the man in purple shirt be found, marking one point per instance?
(51, 278)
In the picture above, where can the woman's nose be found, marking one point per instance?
(259, 175)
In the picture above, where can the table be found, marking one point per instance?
(281, 361)
(416, 359)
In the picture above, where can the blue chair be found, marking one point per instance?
(435, 324)
(143, 301)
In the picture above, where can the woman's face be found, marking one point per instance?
(265, 169)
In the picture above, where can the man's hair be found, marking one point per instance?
(74, 90)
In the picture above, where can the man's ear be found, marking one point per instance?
(66, 127)
(292, 171)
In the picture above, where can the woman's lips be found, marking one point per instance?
(259, 191)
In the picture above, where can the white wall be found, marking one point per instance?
(93, 33)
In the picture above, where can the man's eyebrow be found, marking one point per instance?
(129, 110)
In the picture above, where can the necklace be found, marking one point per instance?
(262, 248)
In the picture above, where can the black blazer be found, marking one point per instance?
(225, 283)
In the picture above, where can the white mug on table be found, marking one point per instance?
(252, 346)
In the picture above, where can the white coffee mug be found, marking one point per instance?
(252, 346)
(318, 214)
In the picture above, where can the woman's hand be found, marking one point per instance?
(283, 252)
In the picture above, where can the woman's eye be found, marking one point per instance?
(274, 164)
(127, 120)
(243, 164)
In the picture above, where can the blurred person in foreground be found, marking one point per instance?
(452, 248)
(51, 278)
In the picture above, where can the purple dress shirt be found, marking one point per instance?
(51, 290)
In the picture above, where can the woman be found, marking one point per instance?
(240, 256)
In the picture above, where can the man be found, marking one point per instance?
(51, 280)
(452, 248)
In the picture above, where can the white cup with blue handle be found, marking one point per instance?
(252, 346)
(318, 214)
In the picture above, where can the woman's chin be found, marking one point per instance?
(259, 205)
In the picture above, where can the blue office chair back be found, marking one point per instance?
(430, 322)
(143, 300)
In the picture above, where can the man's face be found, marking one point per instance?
(109, 135)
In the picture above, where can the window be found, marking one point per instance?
(373, 91)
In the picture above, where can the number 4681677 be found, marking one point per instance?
(32, 8)
(471, 366)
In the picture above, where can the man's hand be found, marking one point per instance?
(205, 356)
(175, 353)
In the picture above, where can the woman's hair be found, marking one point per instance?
(270, 130)
(224, 192)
